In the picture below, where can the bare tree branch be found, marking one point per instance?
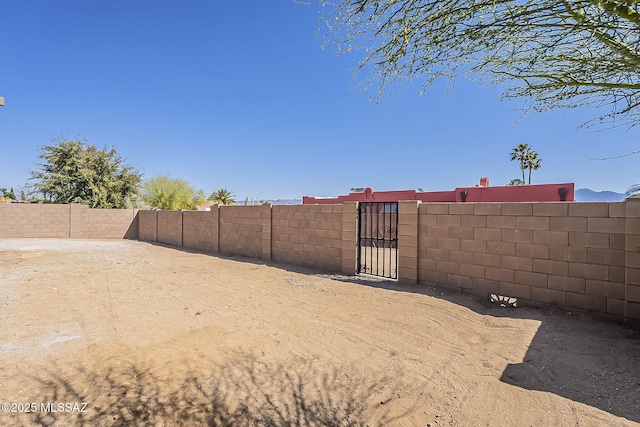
(554, 53)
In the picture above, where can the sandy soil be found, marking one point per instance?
(151, 335)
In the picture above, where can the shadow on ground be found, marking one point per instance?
(244, 393)
(579, 359)
(574, 356)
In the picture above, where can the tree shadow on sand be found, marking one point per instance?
(246, 392)
(602, 371)
(575, 356)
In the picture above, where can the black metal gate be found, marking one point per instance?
(378, 239)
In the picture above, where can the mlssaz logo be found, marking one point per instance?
(63, 407)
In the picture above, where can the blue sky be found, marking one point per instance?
(242, 95)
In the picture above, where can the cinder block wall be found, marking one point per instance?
(309, 235)
(582, 256)
(22, 220)
(103, 223)
(19, 220)
(245, 230)
(148, 226)
(632, 271)
(200, 230)
(170, 227)
(575, 255)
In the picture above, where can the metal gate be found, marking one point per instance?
(378, 239)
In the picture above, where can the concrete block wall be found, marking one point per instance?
(245, 230)
(566, 254)
(18, 220)
(581, 256)
(170, 227)
(323, 237)
(632, 253)
(408, 241)
(200, 230)
(103, 223)
(349, 238)
(148, 226)
(22, 220)
(308, 235)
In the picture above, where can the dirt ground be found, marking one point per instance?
(129, 333)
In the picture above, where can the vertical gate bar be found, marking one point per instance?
(388, 244)
(384, 243)
(396, 240)
(370, 231)
(380, 214)
(366, 243)
(373, 239)
(359, 237)
(370, 239)
(377, 242)
(363, 237)
(377, 239)
(387, 209)
(381, 240)
(392, 209)
(363, 242)
(373, 242)
(390, 240)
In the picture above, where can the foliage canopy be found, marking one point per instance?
(528, 159)
(553, 53)
(7, 194)
(223, 196)
(163, 192)
(77, 172)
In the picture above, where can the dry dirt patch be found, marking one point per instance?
(151, 335)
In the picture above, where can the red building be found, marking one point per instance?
(478, 193)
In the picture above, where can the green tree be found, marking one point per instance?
(533, 162)
(552, 53)
(166, 193)
(73, 171)
(516, 181)
(521, 153)
(223, 196)
(7, 194)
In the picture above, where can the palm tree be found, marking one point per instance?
(223, 196)
(516, 181)
(533, 162)
(520, 153)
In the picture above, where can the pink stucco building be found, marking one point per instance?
(479, 193)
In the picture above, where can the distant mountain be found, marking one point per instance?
(587, 195)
